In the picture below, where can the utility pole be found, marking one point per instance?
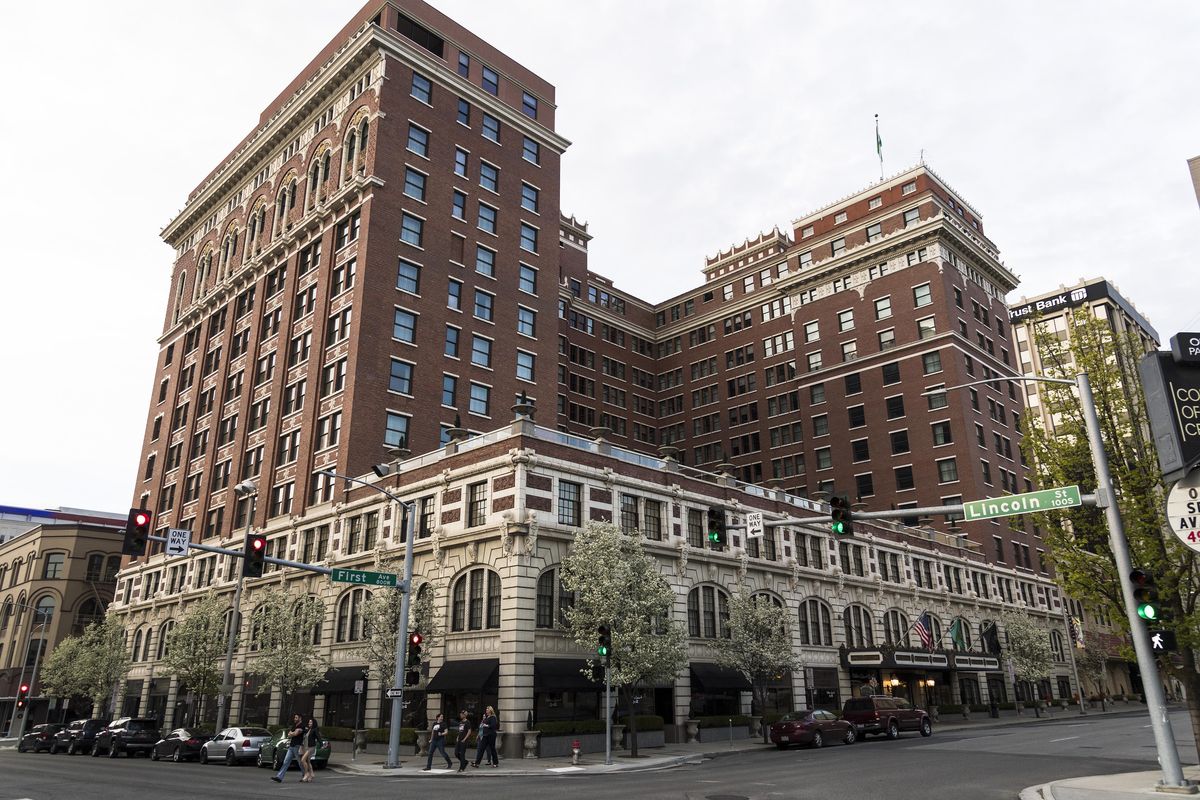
(243, 489)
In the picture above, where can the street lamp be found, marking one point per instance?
(246, 488)
(406, 523)
(1164, 737)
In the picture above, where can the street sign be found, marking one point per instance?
(363, 578)
(1162, 641)
(358, 687)
(177, 541)
(754, 524)
(1172, 392)
(393, 693)
(1183, 510)
(1008, 505)
(1185, 348)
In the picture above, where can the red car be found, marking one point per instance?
(813, 728)
(885, 715)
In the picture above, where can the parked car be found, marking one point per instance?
(126, 735)
(78, 737)
(813, 728)
(235, 745)
(886, 715)
(181, 744)
(272, 752)
(39, 737)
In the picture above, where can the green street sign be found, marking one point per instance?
(1008, 505)
(363, 578)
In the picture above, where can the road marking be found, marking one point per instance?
(1064, 739)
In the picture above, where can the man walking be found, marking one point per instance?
(295, 737)
(460, 742)
(437, 741)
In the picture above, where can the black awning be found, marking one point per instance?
(714, 677)
(563, 675)
(340, 680)
(470, 675)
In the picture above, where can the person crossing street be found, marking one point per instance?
(295, 737)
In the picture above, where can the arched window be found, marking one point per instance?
(146, 651)
(6, 615)
(552, 595)
(895, 628)
(351, 627)
(111, 568)
(89, 611)
(280, 211)
(3, 572)
(858, 627)
(257, 620)
(470, 608)
(43, 610)
(1056, 646)
(136, 654)
(179, 295)
(95, 567)
(164, 638)
(708, 613)
(314, 182)
(203, 270)
(959, 634)
(318, 614)
(935, 631)
(816, 627)
(362, 143)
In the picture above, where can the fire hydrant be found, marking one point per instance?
(575, 752)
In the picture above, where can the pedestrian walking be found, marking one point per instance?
(460, 742)
(437, 742)
(312, 738)
(486, 736)
(295, 737)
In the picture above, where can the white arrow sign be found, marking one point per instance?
(754, 524)
(178, 540)
(1183, 509)
(394, 693)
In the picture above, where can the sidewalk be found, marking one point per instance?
(1123, 786)
(659, 758)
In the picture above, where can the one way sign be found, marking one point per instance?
(1162, 641)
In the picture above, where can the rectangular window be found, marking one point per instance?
(922, 295)
(485, 261)
(489, 176)
(529, 105)
(454, 295)
(414, 184)
(449, 390)
(418, 140)
(570, 504)
(460, 162)
(464, 112)
(491, 128)
(396, 432)
(422, 88)
(874, 232)
(812, 331)
(947, 470)
(525, 365)
(464, 65)
(531, 151)
(408, 277)
(481, 351)
(486, 220)
(899, 442)
(411, 229)
(529, 198)
(491, 81)
(459, 208)
(912, 217)
(529, 238)
(484, 305)
(526, 321)
(904, 478)
(481, 400)
(895, 406)
(343, 277)
(838, 246)
(931, 362)
(401, 377)
(846, 320)
(404, 328)
(451, 346)
(883, 307)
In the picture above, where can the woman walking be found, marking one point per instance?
(312, 738)
(460, 743)
(486, 736)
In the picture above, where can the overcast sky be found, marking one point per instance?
(695, 125)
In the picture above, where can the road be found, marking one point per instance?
(979, 763)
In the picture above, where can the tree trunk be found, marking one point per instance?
(759, 694)
(632, 726)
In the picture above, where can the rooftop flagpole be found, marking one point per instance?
(879, 147)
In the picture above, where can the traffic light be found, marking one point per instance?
(716, 527)
(1145, 594)
(255, 555)
(137, 531)
(604, 642)
(22, 695)
(414, 649)
(839, 509)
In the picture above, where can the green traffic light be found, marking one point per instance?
(1147, 611)
(602, 650)
(838, 527)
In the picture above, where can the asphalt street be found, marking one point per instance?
(979, 764)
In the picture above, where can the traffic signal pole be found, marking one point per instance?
(226, 696)
(1164, 737)
(409, 517)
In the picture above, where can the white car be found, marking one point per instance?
(234, 745)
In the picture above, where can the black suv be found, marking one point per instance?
(78, 737)
(127, 735)
(39, 737)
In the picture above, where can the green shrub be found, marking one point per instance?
(338, 733)
(724, 721)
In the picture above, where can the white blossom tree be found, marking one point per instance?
(62, 672)
(381, 616)
(616, 583)
(1028, 646)
(92, 664)
(195, 650)
(759, 645)
(286, 628)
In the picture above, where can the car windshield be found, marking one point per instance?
(797, 717)
(255, 732)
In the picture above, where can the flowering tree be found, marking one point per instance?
(616, 583)
(381, 616)
(285, 630)
(759, 645)
(195, 652)
(1028, 646)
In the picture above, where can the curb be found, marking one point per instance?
(1040, 792)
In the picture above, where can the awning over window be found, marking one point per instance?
(470, 675)
(564, 675)
(714, 677)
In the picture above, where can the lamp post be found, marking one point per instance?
(37, 657)
(1164, 737)
(249, 489)
(407, 519)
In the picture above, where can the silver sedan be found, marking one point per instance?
(234, 745)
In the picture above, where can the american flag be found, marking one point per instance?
(924, 627)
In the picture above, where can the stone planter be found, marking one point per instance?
(693, 731)
(531, 743)
(422, 743)
(618, 732)
(755, 726)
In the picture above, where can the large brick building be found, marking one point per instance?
(384, 257)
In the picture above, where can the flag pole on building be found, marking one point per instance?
(879, 146)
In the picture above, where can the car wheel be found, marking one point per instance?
(203, 755)
(926, 727)
(54, 749)
(230, 758)
(277, 764)
(95, 750)
(154, 754)
(176, 755)
(818, 740)
(258, 760)
(893, 730)
(851, 735)
(71, 749)
(20, 747)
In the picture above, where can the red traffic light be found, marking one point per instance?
(141, 518)
(258, 543)
(24, 688)
(415, 638)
